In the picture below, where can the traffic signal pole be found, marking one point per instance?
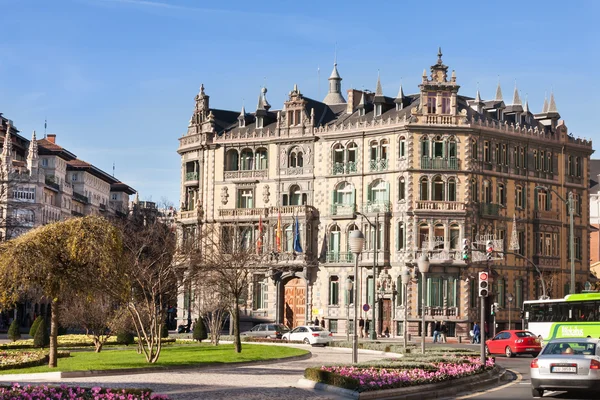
(482, 332)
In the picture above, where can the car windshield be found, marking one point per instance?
(282, 328)
(570, 348)
(316, 328)
(525, 334)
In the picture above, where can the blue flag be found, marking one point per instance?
(297, 246)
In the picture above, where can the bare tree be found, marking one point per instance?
(213, 308)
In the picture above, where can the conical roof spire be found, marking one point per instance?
(478, 97)
(400, 97)
(499, 92)
(7, 148)
(516, 97)
(263, 104)
(526, 106)
(552, 106)
(334, 73)
(33, 148)
(362, 101)
(378, 89)
(334, 96)
(545, 107)
(243, 113)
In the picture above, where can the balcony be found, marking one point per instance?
(339, 257)
(76, 213)
(548, 215)
(422, 205)
(343, 209)
(451, 163)
(191, 176)
(257, 173)
(52, 182)
(378, 165)
(349, 167)
(187, 214)
(80, 197)
(291, 211)
(377, 207)
(489, 210)
(441, 311)
(243, 212)
(296, 171)
(102, 207)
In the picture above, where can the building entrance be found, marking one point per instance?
(295, 302)
(385, 317)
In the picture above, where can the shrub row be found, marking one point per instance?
(73, 341)
(39, 360)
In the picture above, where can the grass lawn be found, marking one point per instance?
(169, 356)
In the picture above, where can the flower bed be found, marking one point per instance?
(26, 359)
(396, 374)
(68, 341)
(64, 392)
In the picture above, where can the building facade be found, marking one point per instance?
(415, 173)
(41, 183)
(595, 217)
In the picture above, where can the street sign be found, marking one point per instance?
(366, 308)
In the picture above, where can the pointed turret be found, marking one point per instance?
(378, 89)
(499, 92)
(334, 96)
(399, 100)
(526, 106)
(545, 107)
(263, 104)
(477, 104)
(6, 156)
(516, 98)
(32, 156)
(242, 117)
(478, 98)
(552, 106)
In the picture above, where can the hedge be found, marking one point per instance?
(318, 375)
(43, 359)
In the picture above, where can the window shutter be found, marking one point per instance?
(353, 198)
(530, 161)
(549, 201)
(387, 191)
(369, 194)
(535, 199)
(398, 236)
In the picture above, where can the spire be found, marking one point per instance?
(378, 90)
(263, 104)
(33, 148)
(7, 148)
(478, 98)
(545, 107)
(334, 96)
(334, 73)
(552, 106)
(499, 92)
(400, 97)
(526, 107)
(243, 113)
(439, 61)
(362, 102)
(516, 97)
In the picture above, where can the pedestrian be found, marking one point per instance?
(323, 323)
(443, 331)
(367, 323)
(361, 327)
(476, 333)
(436, 331)
(316, 323)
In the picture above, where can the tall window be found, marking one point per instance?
(522, 157)
(334, 239)
(231, 160)
(344, 193)
(402, 147)
(504, 154)
(438, 189)
(401, 237)
(570, 167)
(578, 167)
(379, 192)
(295, 195)
(486, 152)
(261, 159)
(247, 160)
(474, 191)
(401, 189)
(497, 156)
(487, 192)
(424, 184)
(500, 289)
(259, 293)
(288, 238)
(423, 235)
(445, 103)
(438, 147)
(501, 194)
(454, 237)
(245, 198)
(451, 189)
(431, 102)
(334, 291)
(474, 151)
(577, 247)
(519, 293)
(452, 152)
(425, 147)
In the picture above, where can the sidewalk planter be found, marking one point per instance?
(17, 391)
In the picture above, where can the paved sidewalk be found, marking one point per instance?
(272, 381)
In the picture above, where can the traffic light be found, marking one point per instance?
(494, 308)
(465, 250)
(489, 248)
(483, 284)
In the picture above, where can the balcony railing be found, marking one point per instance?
(489, 209)
(191, 176)
(102, 207)
(440, 205)
(290, 210)
(188, 214)
(76, 213)
(349, 167)
(339, 257)
(52, 182)
(257, 173)
(243, 212)
(377, 207)
(80, 197)
(343, 209)
(551, 215)
(380, 164)
(451, 163)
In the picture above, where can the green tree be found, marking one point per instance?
(200, 330)
(13, 331)
(59, 260)
(41, 338)
(35, 325)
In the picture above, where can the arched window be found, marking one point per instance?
(338, 153)
(334, 240)
(474, 152)
(438, 189)
(439, 237)
(474, 190)
(384, 149)
(379, 193)
(334, 290)
(300, 159)
(295, 195)
(423, 235)
(487, 192)
(454, 237)
(452, 151)
(261, 159)
(402, 147)
(501, 194)
(425, 147)
(401, 242)
(438, 147)
(401, 189)
(424, 186)
(352, 150)
(231, 160)
(344, 193)
(247, 160)
(451, 189)
(373, 150)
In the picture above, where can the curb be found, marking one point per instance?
(430, 391)
(51, 376)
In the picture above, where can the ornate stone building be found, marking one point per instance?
(433, 168)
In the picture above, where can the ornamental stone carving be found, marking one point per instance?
(266, 194)
(224, 195)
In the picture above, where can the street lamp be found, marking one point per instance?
(375, 226)
(569, 203)
(510, 300)
(349, 286)
(423, 264)
(356, 240)
(405, 276)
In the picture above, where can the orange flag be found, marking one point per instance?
(278, 233)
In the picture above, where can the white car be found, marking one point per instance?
(309, 334)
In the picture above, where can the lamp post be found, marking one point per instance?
(510, 299)
(405, 276)
(423, 264)
(569, 203)
(375, 226)
(349, 286)
(356, 240)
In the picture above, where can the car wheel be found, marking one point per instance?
(269, 337)
(508, 352)
(285, 339)
(306, 341)
(537, 392)
(487, 351)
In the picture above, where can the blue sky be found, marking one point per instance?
(116, 78)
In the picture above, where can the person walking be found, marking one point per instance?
(316, 323)
(436, 331)
(367, 323)
(361, 327)
(476, 333)
(443, 332)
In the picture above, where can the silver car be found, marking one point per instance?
(271, 331)
(566, 364)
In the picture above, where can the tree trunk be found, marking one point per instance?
(236, 329)
(53, 356)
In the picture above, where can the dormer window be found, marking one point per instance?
(361, 112)
(259, 122)
(431, 102)
(242, 122)
(377, 110)
(500, 115)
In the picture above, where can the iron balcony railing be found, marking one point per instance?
(343, 209)
(80, 197)
(339, 257)
(191, 176)
(377, 207)
(349, 167)
(380, 164)
(489, 209)
(451, 163)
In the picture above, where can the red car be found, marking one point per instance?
(513, 342)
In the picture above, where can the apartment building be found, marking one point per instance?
(415, 173)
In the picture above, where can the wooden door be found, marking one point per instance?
(295, 302)
(385, 319)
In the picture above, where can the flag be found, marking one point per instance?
(260, 233)
(297, 245)
(278, 233)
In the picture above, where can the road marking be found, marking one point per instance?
(518, 380)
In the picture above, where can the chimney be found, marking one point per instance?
(51, 137)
